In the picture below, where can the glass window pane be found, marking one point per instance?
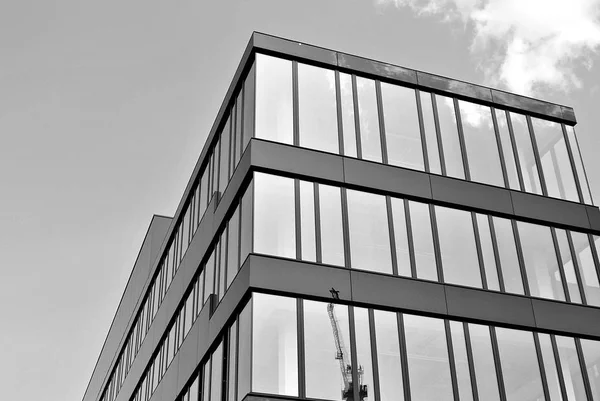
(483, 359)
(274, 99)
(307, 221)
(480, 142)
(274, 216)
(221, 264)
(420, 222)
(450, 141)
(583, 182)
(487, 249)
(401, 237)
(209, 274)
(550, 367)
(428, 364)
(317, 108)
(274, 345)
(571, 370)
(193, 391)
(388, 356)
(216, 374)
(363, 351)
(461, 362)
(246, 228)
(324, 378)
(348, 122)
(206, 376)
(527, 161)
(249, 96)
(567, 265)
(235, 143)
(520, 368)
(402, 132)
(540, 261)
(332, 239)
(457, 247)
(591, 354)
(244, 352)
(189, 316)
(370, 138)
(224, 167)
(203, 194)
(507, 251)
(231, 363)
(507, 150)
(369, 232)
(556, 165)
(587, 267)
(433, 153)
(233, 233)
(186, 229)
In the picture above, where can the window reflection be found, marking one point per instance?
(571, 370)
(483, 359)
(433, 152)
(461, 363)
(363, 350)
(576, 151)
(507, 150)
(244, 345)
(233, 232)
(587, 268)
(216, 375)
(348, 122)
(487, 250)
(591, 354)
(507, 252)
(568, 266)
(388, 356)
(529, 168)
(332, 240)
(449, 133)
(307, 221)
(401, 237)
(370, 138)
(423, 241)
(550, 367)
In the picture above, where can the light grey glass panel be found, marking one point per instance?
(483, 359)
(324, 378)
(587, 268)
(209, 276)
(363, 350)
(480, 142)
(457, 247)
(550, 367)
(274, 114)
(529, 168)
(568, 266)
(423, 241)
(571, 370)
(224, 158)
(236, 146)
(193, 391)
(591, 354)
(369, 232)
(401, 237)
(507, 251)
(370, 138)
(388, 356)
(185, 241)
(189, 315)
(307, 221)
(332, 239)
(556, 164)
(246, 225)
(222, 264)
(206, 376)
(487, 250)
(520, 368)
(507, 150)
(317, 108)
(244, 352)
(203, 194)
(231, 362)
(348, 123)
(461, 362)
(274, 345)
(402, 132)
(450, 141)
(433, 152)
(200, 293)
(233, 262)
(540, 260)
(249, 107)
(427, 352)
(580, 170)
(274, 215)
(216, 375)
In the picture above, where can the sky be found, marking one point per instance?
(105, 107)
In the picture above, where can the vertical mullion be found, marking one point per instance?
(374, 358)
(422, 130)
(438, 133)
(356, 117)
(237, 359)
(340, 123)
(345, 228)
(521, 258)
(231, 150)
(559, 371)
(251, 340)
(511, 134)
(403, 357)
(295, 111)
(576, 268)
(301, 351)
(388, 204)
(298, 219)
(241, 138)
(538, 351)
(353, 356)
(497, 363)
(559, 265)
(411, 245)
(584, 375)
(496, 254)
(500, 151)
(536, 156)
(384, 154)
(436, 244)
(224, 365)
(461, 140)
(479, 251)
(572, 162)
(471, 362)
(451, 360)
(582, 166)
(319, 256)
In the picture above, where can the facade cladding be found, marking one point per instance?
(354, 231)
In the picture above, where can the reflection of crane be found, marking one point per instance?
(345, 366)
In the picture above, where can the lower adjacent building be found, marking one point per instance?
(355, 230)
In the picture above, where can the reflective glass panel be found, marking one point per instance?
(461, 362)
(587, 267)
(370, 138)
(571, 370)
(363, 350)
(450, 141)
(420, 222)
(348, 122)
(457, 247)
(216, 375)
(274, 345)
(507, 150)
(520, 368)
(583, 182)
(487, 249)
(507, 251)
(403, 136)
(332, 239)
(483, 359)
(591, 354)
(307, 221)
(274, 215)
(401, 237)
(317, 108)
(550, 367)
(433, 152)
(568, 266)
(480, 142)
(193, 391)
(246, 225)
(428, 364)
(224, 167)
(540, 261)
(249, 97)
(369, 232)
(274, 99)
(529, 168)
(388, 356)
(233, 233)
(206, 376)
(231, 362)
(323, 360)
(209, 276)
(244, 320)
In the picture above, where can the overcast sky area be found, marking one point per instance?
(105, 107)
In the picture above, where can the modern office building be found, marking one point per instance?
(355, 230)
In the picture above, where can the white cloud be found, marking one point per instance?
(526, 45)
